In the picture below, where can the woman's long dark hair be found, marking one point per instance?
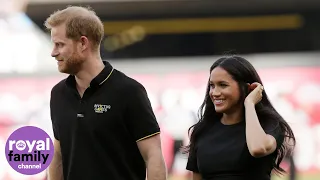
(243, 72)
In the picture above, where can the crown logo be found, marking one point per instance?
(20, 145)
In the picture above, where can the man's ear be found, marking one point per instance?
(84, 42)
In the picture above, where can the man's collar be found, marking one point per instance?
(97, 81)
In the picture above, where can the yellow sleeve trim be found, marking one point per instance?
(147, 136)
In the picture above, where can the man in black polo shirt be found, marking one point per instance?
(103, 123)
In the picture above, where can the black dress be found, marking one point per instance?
(221, 153)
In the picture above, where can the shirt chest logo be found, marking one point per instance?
(101, 108)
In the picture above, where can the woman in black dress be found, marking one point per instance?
(240, 136)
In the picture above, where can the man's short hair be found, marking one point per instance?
(79, 21)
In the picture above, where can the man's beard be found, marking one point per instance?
(72, 65)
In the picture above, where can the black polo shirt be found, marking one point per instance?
(98, 132)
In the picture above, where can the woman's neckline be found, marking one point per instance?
(230, 125)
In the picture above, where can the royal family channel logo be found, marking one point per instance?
(29, 150)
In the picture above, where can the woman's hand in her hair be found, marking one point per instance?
(255, 94)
